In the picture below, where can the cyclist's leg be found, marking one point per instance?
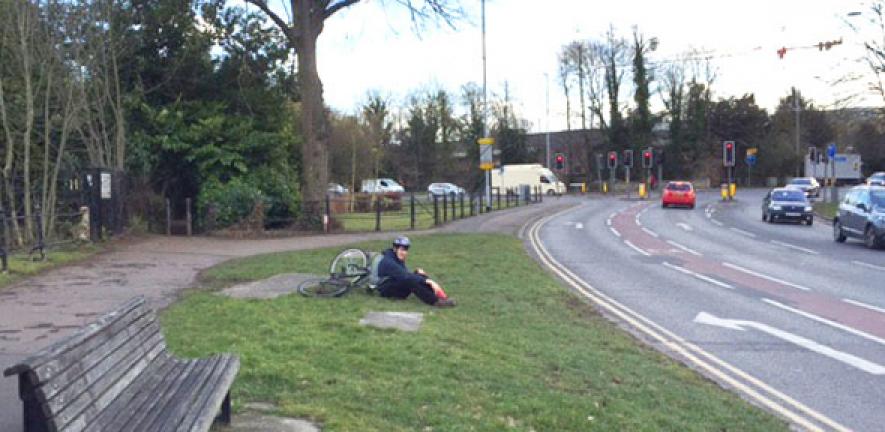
(394, 290)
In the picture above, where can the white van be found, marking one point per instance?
(533, 175)
(383, 185)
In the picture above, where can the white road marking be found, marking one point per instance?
(728, 373)
(628, 243)
(792, 246)
(579, 226)
(740, 231)
(851, 360)
(868, 265)
(608, 222)
(698, 275)
(612, 216)
(843, 327)
(614, 231)
(637, 221)
(684, 226)
(650, 232)
(864, 305)
(766, 277)
(717, 222)
(691, 251)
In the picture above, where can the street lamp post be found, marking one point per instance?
(485, 107)
(547, 104)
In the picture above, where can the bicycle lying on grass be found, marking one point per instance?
(351, 268)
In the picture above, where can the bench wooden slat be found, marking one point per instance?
(116, 374)
(175, 379)
(137, 396)
(174, 401)
(76, 415)
(206, 409)
(195, 401)
(79, 338)
(66, 370)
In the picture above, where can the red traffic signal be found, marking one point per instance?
(728, 157)
(560, 161)
(612, 159)
(647, 158)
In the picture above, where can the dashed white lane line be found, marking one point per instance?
(717, 222)
(742, 232)
(650, 232)
(608, 222)
(864, 305)
(579, 226)
(868, 265)
(691, 251)
(684, 226)
(634, 247)
(612, 216)
(830, 323)
(698, 275)
(764, 276)
(614, 231)
(792, 246)
(638, 222)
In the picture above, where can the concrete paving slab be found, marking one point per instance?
(269, 288)
(251, 422)
(405, 321)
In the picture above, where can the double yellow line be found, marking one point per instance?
(748, 385)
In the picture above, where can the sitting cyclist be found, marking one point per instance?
(398, 282)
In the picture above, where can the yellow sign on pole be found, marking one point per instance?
(752, 150)
(486, 161)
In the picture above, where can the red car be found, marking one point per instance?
(679, 193)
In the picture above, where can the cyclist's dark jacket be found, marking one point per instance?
(393, 271)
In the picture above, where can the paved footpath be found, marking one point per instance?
(37, 311)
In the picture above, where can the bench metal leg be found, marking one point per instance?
(32, 417)
(224, 416)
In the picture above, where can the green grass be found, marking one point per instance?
(519, 352)
(22, 266)
(827, 210)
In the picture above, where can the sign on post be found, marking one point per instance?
(751, 155)
(486, 161)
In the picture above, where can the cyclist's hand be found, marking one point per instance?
(420, 271)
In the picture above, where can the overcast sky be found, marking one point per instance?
(372, 46)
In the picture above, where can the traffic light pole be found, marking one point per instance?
(627, 179)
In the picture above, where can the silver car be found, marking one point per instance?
(808, 185)
(443, 189)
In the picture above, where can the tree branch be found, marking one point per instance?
(290, 31)
(337, 7)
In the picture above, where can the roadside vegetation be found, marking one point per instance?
(22, 265)
(518, 352)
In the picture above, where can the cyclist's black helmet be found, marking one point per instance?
(402, 241)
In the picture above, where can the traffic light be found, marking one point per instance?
(812, 154)
(648, 158)
(728, 148)
(612, 159)
(560, 161)
(628, 158)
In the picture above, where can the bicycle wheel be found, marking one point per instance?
(350, 264)
(321, 287)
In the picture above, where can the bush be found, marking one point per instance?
(281, 196)
(224, 204)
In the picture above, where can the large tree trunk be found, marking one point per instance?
(314, 123)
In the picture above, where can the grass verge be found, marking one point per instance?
(827, 210)
(519, 352)
(22, 266)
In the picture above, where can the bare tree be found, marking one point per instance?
(565, 80)
(875, 48)
(302, 26)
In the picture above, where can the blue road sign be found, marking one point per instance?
(751, 159)
(831, 150)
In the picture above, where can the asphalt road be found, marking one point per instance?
(779, 312)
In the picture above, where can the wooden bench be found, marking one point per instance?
(116, 375)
